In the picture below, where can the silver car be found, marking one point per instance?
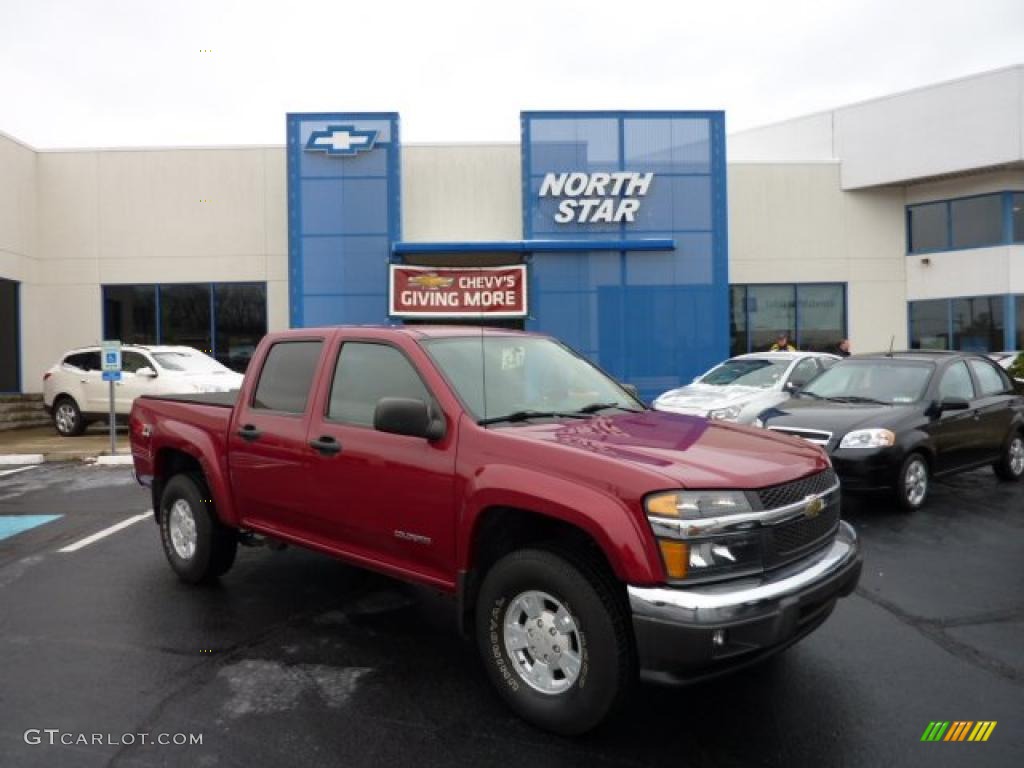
(743, 386)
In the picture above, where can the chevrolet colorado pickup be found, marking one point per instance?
(587, 540)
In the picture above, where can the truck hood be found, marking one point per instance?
(703, 397)
(688, 451)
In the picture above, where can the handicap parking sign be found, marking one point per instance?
(111, 356)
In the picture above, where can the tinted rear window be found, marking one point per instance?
(85, 361)
(287, 376)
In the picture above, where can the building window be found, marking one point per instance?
(978, 324)
(967, 222)
(970, 323)
(929, 324)
(813, 314)
(977, 221)
(1017, 213)
(131, 309)
(10, 378)
(929, 227)
(226, 320)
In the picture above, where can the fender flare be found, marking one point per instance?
(197, 443)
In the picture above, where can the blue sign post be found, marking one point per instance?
(110, 351)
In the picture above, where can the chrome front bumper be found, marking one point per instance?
(689, 634)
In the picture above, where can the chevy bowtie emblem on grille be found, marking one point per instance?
(341, 140)
(814, 506)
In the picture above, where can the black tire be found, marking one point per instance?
(913, 501)
(67, 417)
(215, 544)
(1010, 466)
(601, 639)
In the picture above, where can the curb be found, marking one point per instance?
(22, 458)
(118, 460)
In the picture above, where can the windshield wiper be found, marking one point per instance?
(858, 399)
(595, 407)
(524, 415)
(803, 392)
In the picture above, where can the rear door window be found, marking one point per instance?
(990, 380)
(287, 376)
(132, 361)
(364, 374)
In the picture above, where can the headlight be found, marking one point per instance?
(868, 438)
(697, 504)
(726, 414)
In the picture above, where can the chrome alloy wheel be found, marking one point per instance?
(543, 642)
(1016, 455)
(65, 418)
(182, 527)
(915, 481)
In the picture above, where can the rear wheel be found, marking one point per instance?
(1010, 466)
(913, 483)
(67, 417)
(554, 637)
(197, 545)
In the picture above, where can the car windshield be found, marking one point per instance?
(747, 372)
(501, 376)
(188, 362)
(886, 381)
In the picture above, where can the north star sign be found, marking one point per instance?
(597, 198)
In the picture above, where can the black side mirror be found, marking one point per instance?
(791, 387)
(951, 404)
(407, 416)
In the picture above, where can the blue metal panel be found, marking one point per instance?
(654, 317)
(344, 213)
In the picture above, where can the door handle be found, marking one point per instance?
(249, 433)
(326, 445)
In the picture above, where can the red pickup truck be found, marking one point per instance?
(588, 541)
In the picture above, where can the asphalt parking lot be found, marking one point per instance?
(295, 659)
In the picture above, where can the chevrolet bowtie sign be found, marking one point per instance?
(341, 140)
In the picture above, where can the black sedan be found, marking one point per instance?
(896, 421)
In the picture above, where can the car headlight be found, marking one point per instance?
(868, 438)
(693, 505)
(703, 557)
(725, 414)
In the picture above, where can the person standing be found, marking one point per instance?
(782, 343)
(843, 348)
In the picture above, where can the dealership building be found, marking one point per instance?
(650, 241)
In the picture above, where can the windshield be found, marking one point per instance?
(746, 373)
(523, 374)
(188, 362)
(885, 381)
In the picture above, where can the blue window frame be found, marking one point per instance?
(977, 221)
(813, 314)
(225, 320)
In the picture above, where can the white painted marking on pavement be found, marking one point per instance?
(7, 472)
(106, 532)
(22, 458)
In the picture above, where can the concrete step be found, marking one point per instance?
(20, 411)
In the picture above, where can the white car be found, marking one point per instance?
(74, 392)
(743, 386)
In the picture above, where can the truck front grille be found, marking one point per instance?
(790, 493)
(788, 541)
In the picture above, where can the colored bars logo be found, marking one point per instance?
(958, 730)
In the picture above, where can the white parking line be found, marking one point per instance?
(105, 532)
(7, 472)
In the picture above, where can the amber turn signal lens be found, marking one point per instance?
(663, 505)
(676, 555)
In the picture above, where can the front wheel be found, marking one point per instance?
(197, 545)
(554, 638)
(913, 483)
(1010, 466)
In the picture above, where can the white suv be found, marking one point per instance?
(74, 392)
